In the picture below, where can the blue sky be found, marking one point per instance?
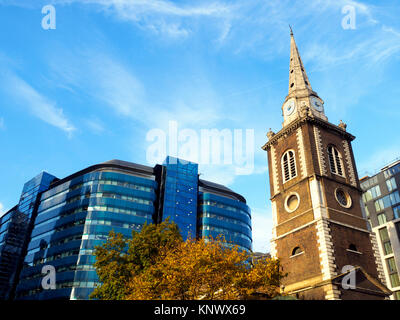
(111, 71)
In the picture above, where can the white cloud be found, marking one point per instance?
(256, 26)
(221, 174)
(39, 105)
(133, 9)
(95, 125)
(116, 86)
(112, 82)
(159, 16)
(103, 78)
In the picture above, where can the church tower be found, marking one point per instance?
(319, 224)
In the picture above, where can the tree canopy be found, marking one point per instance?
(157, 264)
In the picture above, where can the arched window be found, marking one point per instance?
(296, 251)
(335, 161)
(353, 247)
(288, 166)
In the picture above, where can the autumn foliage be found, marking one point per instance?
(157, 264)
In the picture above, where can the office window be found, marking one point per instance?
(387, 201)
(392, 270)
(379, 205)
(288, 166)
(372, 193)
(396, 212)
(396, 295)
(381, 218)
(392, 171)
(391, 184)
(387, 246)
(367, 212)
(394, 198)
(335, 161)
(398, 229)
(370, 182)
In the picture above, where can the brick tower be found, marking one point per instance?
(319, 224)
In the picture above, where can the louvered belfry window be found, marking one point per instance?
(335, 161)
(288, 166)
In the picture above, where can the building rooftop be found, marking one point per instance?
(392, 164)
(127, 164)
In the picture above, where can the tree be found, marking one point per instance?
(157, 264)
(119, 259)
(206, 269)
(112, 268)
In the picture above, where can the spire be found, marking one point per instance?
(301, 99)
(298, 80)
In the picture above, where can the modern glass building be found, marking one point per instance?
(222, 212)
(15, 228)
(180, 195)
(76, 214)
(71, 216)
(381, 198)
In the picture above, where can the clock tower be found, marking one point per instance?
(320, 232)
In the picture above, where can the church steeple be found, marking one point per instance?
(316, 202)
(301, 95)
(298, 80)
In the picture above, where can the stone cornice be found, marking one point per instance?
(285, 131)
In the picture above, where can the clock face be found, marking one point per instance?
(289, 107)
(317, 104)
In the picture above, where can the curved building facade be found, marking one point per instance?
(71, 216)
(224, 213)
(76, 215)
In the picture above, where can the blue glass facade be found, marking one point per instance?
(222, 216)
(180, 195)
(72, 219)
(31, 190)
(15, 228)
(13, 232)
(59, 222)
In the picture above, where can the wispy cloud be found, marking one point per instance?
(254, 26)
(134, 9)
(163, 17)
(95, 125)
(39, 105)
(101, 77)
